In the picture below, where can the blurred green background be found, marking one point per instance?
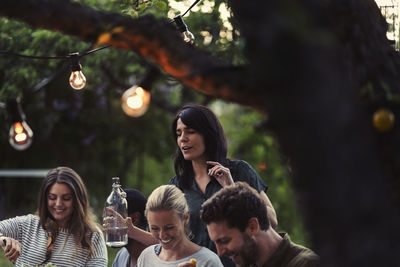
(88, 131)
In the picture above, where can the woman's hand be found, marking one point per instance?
(221, 173)
(113, 217)
(131, 228)
(142, 236)
(12, 248)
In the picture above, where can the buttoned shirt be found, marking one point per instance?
(240, 171)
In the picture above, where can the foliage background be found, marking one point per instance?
(87, 130)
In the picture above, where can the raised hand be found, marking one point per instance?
(221, 173)
(111, 216)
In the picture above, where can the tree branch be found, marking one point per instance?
(155, 39)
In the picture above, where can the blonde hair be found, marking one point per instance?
(168, 198)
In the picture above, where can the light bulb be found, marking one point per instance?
(77, 80)
(383, 120)
(20, 135)
(135, 101)
(188, 37)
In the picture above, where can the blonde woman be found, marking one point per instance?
(168, 215)
(62, 231)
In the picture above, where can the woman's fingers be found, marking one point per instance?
(12, 249)
(217, 170)
(111, 218)
(112, 215)
(112, 212)
(221, 173)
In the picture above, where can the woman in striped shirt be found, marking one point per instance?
(62, 231)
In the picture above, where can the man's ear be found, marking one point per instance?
(252, 226)
(136, 216)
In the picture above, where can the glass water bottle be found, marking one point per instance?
(116, 230)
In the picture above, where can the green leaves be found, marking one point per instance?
(137, 8)
(161, 5)
(262, 152)
(87, 129)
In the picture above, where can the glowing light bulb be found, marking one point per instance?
(383, 120)
(188, 37)
(135, 101)
(77, 80)
(20, 135)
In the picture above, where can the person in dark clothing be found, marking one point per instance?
(237, 222)
(127, 256)
(202, 167)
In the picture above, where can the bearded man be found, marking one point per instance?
(237, 223)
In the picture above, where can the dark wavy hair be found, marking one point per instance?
(236, 205)
(136, 203)
(82, 223)
(204, 121)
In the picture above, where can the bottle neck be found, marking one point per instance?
(115, 181)
(116, 187)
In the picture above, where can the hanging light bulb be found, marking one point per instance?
(135, 101)
(383, 120)
(77, 80)
(20, 135)
(188, 37)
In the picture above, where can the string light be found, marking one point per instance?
(187, 36)
(383, 119)
(77, 80)
(136, 100)
(20, 135)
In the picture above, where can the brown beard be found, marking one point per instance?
(248, 252)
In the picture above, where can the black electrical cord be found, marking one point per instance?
(194, 3)
(95, 50)
(7, 53)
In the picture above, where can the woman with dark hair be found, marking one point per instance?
(62, 232)
(202, 167)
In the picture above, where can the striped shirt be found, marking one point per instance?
(66, 252)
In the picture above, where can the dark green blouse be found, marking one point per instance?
(240, 171)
